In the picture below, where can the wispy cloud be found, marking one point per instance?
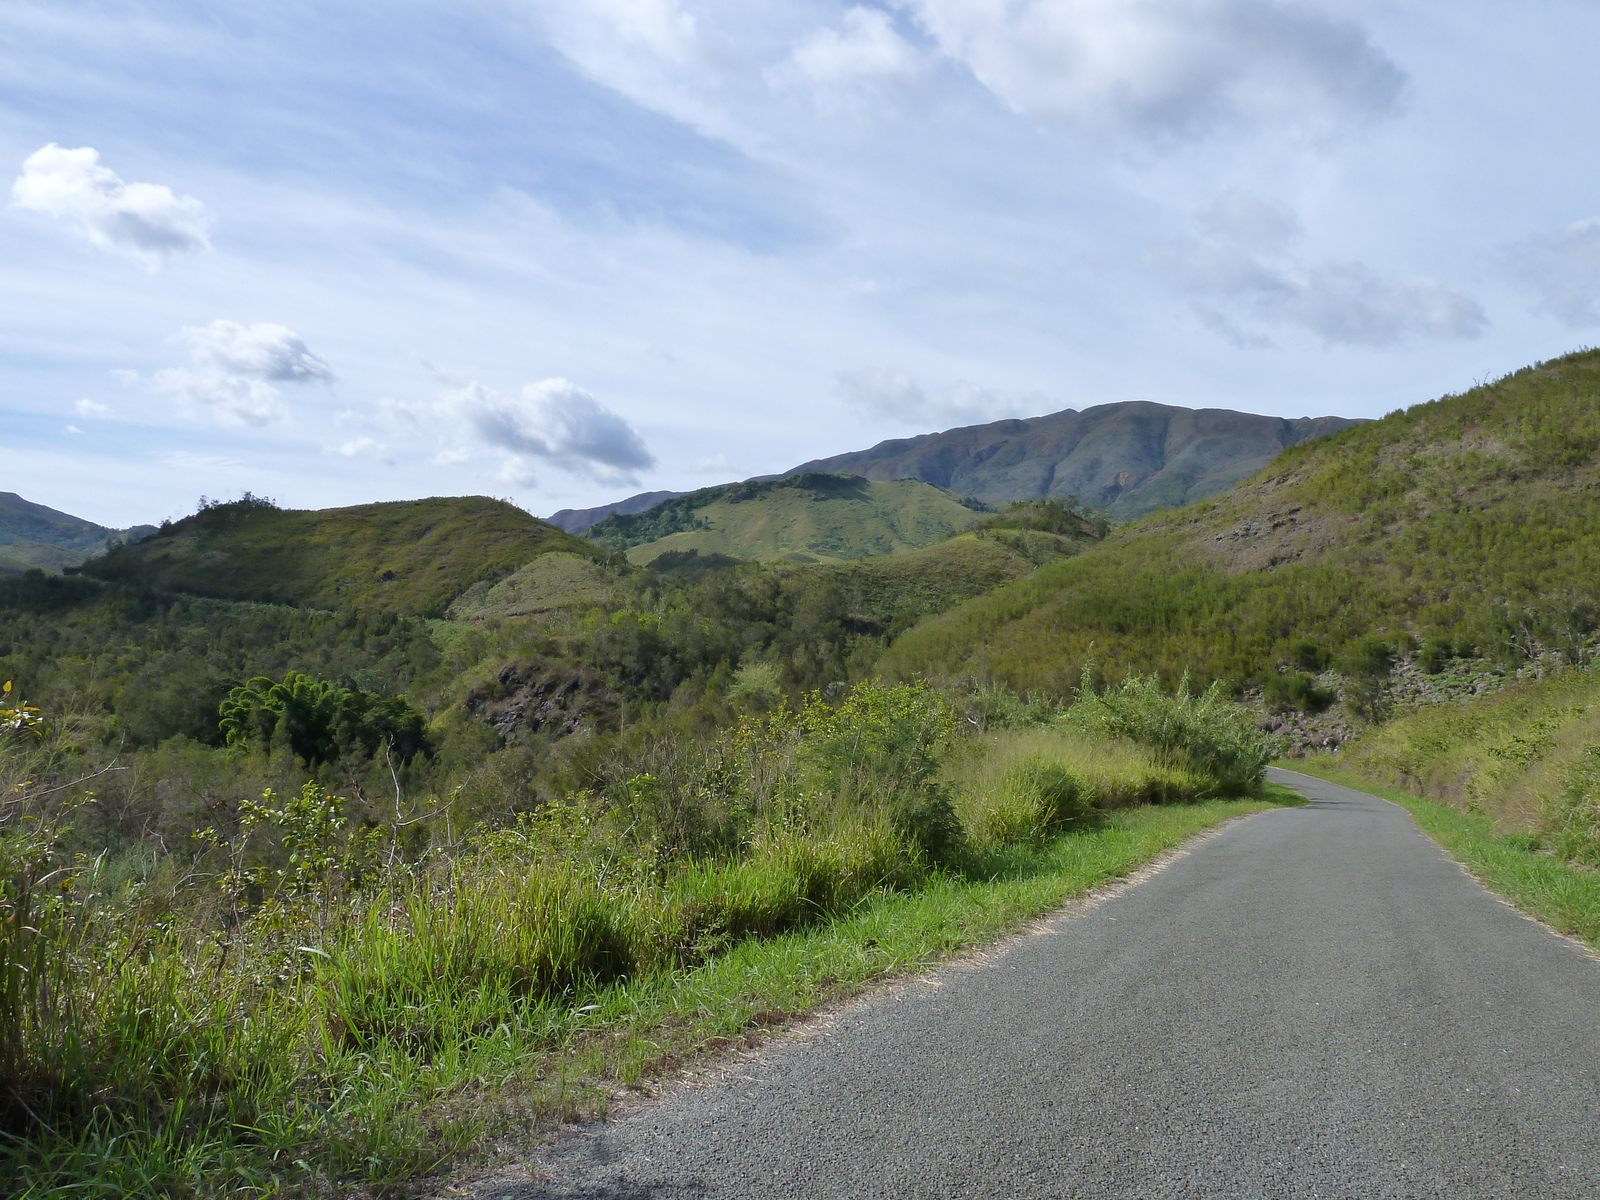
(865, 51)
(886, 394)
(146, 220)
(1165, 66)
(1241, 275)
(1563, 269)
(364, 447)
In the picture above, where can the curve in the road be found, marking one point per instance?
(1316, 1002)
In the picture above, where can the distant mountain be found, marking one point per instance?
(576, 520)
(815, 517)
(1129, 458)
(410, 556)
(32, 535)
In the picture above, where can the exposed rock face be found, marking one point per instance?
(1129, 458)
(532, 697)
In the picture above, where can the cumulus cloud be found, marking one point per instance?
(91, 408)
(1563, 269)
(1165, 66)
(1241, 273)
(234, 369)
(865, 50)
(886, 394)
(552, 422)
(146, 220)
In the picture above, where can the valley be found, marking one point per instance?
(435, 824)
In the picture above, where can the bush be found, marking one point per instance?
(1297, 691)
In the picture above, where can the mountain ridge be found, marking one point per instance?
(1129, 457)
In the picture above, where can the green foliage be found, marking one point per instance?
(1297, 691)
(412, 556)
(1575, 817)
(1473, 515)
(318, 720)
(1207, 732)
(884, 747)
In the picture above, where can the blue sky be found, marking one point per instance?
(564, 250)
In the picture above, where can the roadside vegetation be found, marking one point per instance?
(320, 987)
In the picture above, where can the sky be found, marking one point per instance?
(562, 251)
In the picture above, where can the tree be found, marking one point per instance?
(318, 720)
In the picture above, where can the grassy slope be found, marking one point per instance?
(1503, 755)
(1474, 517)
(412, 556)
(1566, 898)
(808, 518)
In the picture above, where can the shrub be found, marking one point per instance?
(1296, 690)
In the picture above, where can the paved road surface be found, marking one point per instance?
(1313, 1003)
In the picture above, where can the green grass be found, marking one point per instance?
(804, 518)
(1565, 897)
(412, 556)
(1471, 519)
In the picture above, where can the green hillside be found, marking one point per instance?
(1469, 526)
(32, 535)
(411, 556)
(802, 518)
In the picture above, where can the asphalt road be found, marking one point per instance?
(1315, 1002)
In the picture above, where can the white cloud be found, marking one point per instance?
(895, 395)
(1172, 66)
(146, 220)
(73, 429)
(235, 368)
(866, 49)
(713, 464)
(262, 351)
(90, 408)
(1241, 274)
(1563, 269)
(554, 422)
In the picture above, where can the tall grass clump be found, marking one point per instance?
(1208, 733)
(1026, 785)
